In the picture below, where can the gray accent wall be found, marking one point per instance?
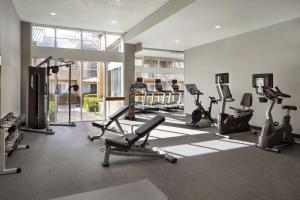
(10, 50)
(25, 63)
(274, 49)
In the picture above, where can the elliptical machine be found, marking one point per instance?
(273, 136)
(239, 122)
(200, 112)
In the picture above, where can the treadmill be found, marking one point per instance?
(142, 107)
(176, 91)
(162, 105)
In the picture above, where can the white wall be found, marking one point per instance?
(274, 49)
(10, 54)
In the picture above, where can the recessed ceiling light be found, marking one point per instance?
(217, 27)
(53, 13)
(118, 0)
(177, 41)
(114, 22)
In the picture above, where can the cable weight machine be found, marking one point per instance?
(75, 88)
(38, 119)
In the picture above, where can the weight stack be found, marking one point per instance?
(37, 98)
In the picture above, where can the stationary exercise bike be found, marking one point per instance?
(200, 112)
(239, 122)
(273, 136)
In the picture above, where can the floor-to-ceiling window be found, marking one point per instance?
(150, 66)
(100, 82)
(47, 36)
(43, 36)
(166, 69)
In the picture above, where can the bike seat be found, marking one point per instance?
(237, 109)
(240, 110)
(230, 100)
(289, 107)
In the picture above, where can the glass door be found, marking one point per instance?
(59, 90)
(61, 93)
(100, 91)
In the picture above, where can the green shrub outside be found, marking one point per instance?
(91, 102)
(51, 110)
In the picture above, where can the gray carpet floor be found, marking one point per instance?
(68, 163)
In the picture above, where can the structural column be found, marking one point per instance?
(25, 62)
(129, 68)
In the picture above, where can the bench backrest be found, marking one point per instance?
(145, 129)
(119, 113)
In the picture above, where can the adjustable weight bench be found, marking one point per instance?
(129, 145)
(105, 125)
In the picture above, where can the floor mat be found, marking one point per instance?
(143, 189)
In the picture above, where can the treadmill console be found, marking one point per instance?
(139, 79)
(174, 81)
(139, 84)
(192, 89)
(226, 91)
(158, 85)
(261, 82)
(222, 78)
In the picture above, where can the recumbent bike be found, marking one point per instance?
(200, 112)
(273, 135)
(239, 122)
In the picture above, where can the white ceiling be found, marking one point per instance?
(88, 14)
(194, 24)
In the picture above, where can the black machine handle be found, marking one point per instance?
(194, 92)
(213, 99)
(281, 94)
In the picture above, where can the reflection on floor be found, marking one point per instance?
(183, 150)
(188, 150)
(168, 119)
(201, 148)
(161, 131)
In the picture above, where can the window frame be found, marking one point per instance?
(102, 48)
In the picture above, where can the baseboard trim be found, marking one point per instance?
(296, 135)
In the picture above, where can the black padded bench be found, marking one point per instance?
(129, 145)
(105, 125)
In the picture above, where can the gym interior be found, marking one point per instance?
(149, 100)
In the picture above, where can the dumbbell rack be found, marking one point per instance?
(10, 138)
